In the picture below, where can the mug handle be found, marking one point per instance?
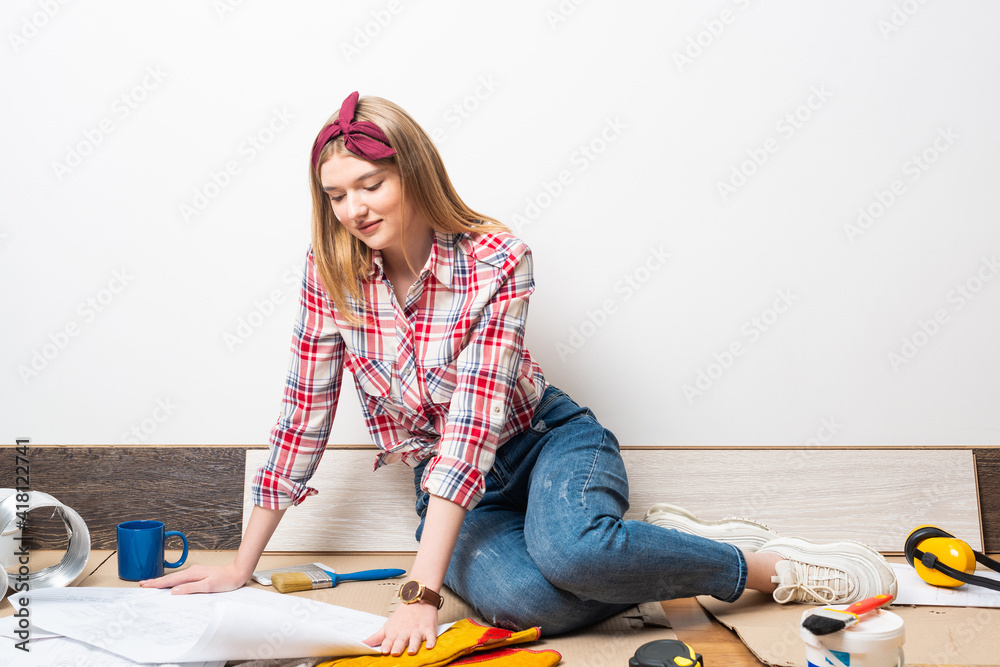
(183, 555)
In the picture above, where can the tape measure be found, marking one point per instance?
(666, 653)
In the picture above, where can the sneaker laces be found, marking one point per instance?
(804, 582)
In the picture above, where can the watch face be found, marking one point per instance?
(409, 591)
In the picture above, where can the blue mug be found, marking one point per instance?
(140, 550)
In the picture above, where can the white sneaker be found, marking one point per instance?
(742, 533)
(829, 573)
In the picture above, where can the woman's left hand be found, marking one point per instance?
(406, 629)
(412, 624)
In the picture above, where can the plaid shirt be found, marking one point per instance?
(446, 376)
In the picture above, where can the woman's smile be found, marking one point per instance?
(370, 226)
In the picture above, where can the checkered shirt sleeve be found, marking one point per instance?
(312, 389)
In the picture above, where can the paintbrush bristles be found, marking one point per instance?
(291, 582)
(828, 621)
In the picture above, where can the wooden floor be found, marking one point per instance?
(717, 644)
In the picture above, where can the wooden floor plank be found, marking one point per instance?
(808, 493)
(717, 644)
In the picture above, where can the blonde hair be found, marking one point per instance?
(342, 260)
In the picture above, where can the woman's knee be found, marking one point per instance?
(575, 561)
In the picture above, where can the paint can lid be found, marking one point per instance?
(875, 626)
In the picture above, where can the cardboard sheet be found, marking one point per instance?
(934, 635)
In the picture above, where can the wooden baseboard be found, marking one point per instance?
(988, 482)
(196, 490)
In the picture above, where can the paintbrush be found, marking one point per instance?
(826, 621)
(291, 582)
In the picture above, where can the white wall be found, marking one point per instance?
(118, 115)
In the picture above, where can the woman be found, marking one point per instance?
(520, 491)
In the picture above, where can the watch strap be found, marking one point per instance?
(431, 597)
(424, 594)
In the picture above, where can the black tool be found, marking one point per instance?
(666, 653)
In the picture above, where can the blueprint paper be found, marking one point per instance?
(154, 626)
(914, 590)
(65, 652)
(48, 650)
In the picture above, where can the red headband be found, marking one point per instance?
(360, 137)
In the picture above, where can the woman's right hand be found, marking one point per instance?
(200, 579)
(222, 578)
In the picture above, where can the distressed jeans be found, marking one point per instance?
(547, 546)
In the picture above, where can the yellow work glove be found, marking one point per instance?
(513, 657)
(462, 638)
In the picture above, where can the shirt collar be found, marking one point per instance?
(440, 262)
(442, 258)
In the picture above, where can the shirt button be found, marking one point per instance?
(496, 410)
(407, 371)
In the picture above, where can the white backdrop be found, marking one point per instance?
(753, 222)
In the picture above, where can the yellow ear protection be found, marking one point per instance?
(942, 559)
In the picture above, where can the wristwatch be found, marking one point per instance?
(414, 591)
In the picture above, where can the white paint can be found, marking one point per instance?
(875, 641)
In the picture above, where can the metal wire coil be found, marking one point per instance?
(77, 551)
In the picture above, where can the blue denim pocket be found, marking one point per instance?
(551, 395)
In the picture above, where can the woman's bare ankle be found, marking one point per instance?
(760, 569)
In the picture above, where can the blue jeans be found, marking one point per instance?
(547, 545)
